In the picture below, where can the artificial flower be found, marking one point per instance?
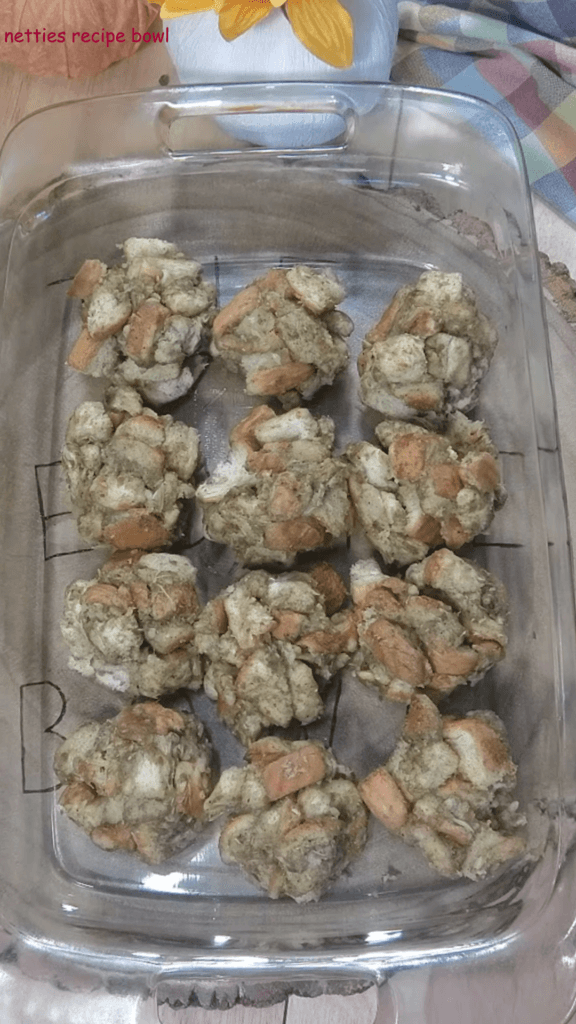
(323, 26)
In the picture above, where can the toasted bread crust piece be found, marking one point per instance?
(85, 350)
(86, 279)
(292, 772)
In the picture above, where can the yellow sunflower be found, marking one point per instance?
(323, 26)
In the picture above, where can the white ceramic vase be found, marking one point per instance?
(270, 51)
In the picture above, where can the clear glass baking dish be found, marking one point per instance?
(411, 179)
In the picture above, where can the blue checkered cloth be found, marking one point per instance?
(521, 57)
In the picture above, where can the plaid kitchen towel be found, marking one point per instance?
(521, 57)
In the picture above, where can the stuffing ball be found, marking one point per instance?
(284, 333)
(127, 470)
(142, 318)
(281, 490)
(298, 819)
(424, 488)
(133, 627)
(263, 637)
(448, 789)
(137, 782)
(428, 352)
(443, 625)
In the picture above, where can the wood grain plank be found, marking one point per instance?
(22, 93)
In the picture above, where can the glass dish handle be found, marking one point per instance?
(291, 116)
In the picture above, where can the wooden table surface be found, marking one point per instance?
(151, 66)
(21, 93)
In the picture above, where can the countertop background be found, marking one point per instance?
(150, 67)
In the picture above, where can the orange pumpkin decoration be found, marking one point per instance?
(44, 37)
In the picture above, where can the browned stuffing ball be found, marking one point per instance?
(428, 352)
(127, 471)
(133, 626)
(281, 490)
(443, 625)
(284, 333)
(424, 489)
(298, 820)
(142, 318)
(263, 637)
(137, 782)
(448, 789)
